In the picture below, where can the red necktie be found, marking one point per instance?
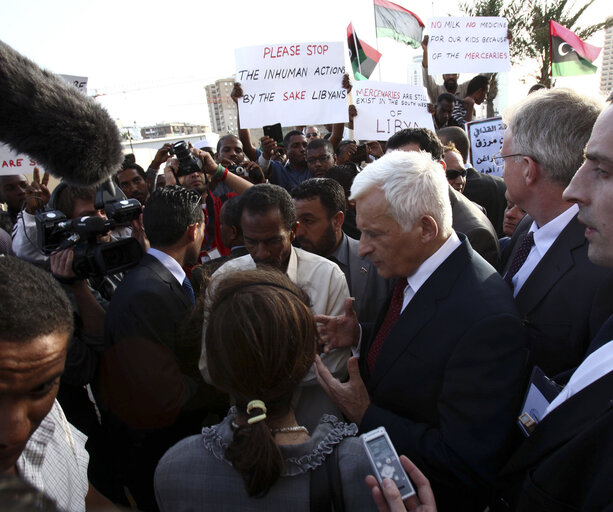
(520, 258)
(388, 322)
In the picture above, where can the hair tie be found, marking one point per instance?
(256, 404)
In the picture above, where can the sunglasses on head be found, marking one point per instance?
(452, 174)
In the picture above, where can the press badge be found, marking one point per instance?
(541, 392)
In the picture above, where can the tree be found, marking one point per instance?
(529, 24)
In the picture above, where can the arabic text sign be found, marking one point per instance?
(386, 108)
(14, 163)
(486, 136)
(468, 45)
(291, 84)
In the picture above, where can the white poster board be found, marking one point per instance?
(292, 84)
(485, 136)
(14, 163)
(468, 45)
(386, 108)
(80, 82)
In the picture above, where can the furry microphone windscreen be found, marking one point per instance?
(68, 133)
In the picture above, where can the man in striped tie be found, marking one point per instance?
(442, 368)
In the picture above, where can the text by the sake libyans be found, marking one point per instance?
(468, 45)
(486, 136)
(291, 84)
(386, 108)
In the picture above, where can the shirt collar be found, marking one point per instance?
(427, 268)
(546, 235)
(169, 262)
(292, 266)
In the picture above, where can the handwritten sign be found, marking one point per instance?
(468, 45)
(386, 108)
(485, 136)
(15, 163)
(80, 82)
(293, 84)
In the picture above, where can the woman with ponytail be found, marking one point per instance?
(260, 343)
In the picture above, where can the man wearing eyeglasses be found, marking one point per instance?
(320, 157)
(311, 133)
(562, 297)
(456, 173)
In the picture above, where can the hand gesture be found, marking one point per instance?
(424, 43)
(387, 496)
(346, 84)
(170, 171)
(351, 397)
(162, 155)
(374, 148)
(37, 193)
(339, 331)
(237, 92)
(346, 153)
(268, 146)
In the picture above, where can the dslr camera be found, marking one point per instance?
(188, 163)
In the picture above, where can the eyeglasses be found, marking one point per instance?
(498, 159)
(311, 134)
(452, 174)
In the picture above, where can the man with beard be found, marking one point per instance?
(268, 221)
(320, 208)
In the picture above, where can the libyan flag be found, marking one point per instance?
(363, 57)
(570, 55)
(398, 23)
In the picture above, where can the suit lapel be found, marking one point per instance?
(165, 275)
(563, 424)
(553, 265)
(419, 312)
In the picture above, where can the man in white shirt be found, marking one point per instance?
(443, 368)
(562, 297)
(268, 221)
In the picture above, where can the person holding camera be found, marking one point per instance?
(196, 170)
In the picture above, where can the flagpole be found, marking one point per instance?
(355, 44)
(374, 13)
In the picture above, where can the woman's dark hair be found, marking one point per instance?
(260, 343)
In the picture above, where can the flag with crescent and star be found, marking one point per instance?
(570, 55)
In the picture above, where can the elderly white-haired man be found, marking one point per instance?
(442, 369)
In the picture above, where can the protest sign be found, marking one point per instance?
(485, 136)
(468, 45)
(386, 108)
(80, 82)
(291, 84)
(15, 163)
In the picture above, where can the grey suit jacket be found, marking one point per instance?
(369, 289)
(565, 300)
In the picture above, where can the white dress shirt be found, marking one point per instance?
(170, 263)
(544, 237)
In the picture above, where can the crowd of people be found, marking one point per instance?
(286, 296)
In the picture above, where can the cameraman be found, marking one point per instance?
(200, 177)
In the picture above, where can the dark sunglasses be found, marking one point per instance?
(452, 174)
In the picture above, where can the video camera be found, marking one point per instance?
(55, 233)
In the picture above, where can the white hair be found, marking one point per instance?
(414, 185)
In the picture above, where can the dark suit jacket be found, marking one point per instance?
(149, 377)
(467, 218)
(488, 191)
(566, 464)
(565, 300)
(448, 379)
(369, 289)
